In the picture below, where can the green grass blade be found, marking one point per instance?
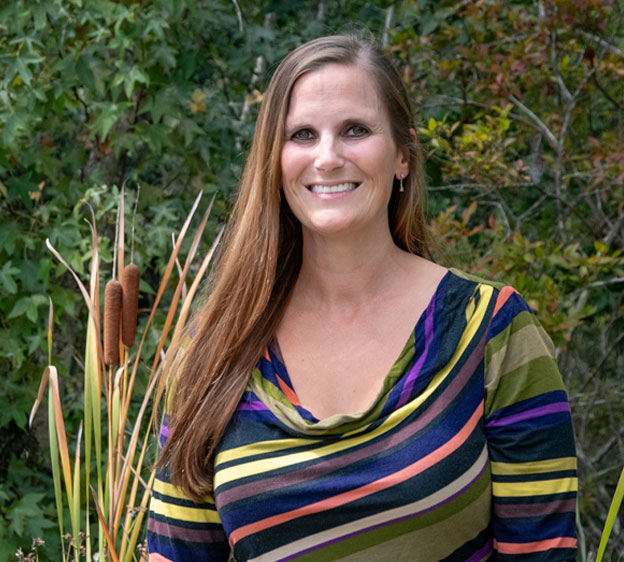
(91, 394)
(616, 502)
(75, 507)
(50, 324)
(89, 381)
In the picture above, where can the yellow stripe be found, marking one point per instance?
(549, 465)
(539, 488)
(252, 468)
(167, 489)
(262, 447)
(198, 514)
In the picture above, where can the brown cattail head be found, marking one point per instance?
(112, 320)
(130, 277)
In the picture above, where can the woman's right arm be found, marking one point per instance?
(180, 529)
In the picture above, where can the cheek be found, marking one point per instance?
(291, 163)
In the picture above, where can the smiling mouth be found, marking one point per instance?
(339, 188)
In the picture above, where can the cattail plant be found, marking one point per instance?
(109, 481)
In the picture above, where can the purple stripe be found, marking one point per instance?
(534, 509)
(397, 520)
(164, 431)
(487, 549)
(172, 531)
(529, 414)
(415, 370)
(256, 405)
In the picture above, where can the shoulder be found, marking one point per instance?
(501, 308)
(506, 301)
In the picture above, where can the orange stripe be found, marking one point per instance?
(537, 546)
(503, 295)
(155, 557)
(431, 459)
(288, 392)
(266, 354)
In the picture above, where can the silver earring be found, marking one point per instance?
(401, 188)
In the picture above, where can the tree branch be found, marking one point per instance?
(387, 22)
(555, 66)
(604, 282)
(239, 15)
(552, 140)
(599, 41)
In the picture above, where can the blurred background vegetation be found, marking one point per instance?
(521, 114)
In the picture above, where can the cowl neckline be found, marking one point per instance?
(408, 376)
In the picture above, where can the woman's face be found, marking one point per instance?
(339, 159)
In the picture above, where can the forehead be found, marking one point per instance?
(334, 86)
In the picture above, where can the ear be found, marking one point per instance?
(403, 160)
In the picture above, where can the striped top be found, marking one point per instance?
(466, 454)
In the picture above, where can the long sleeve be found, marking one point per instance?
(530, 439)
(179, 529)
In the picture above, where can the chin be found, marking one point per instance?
(330, 226)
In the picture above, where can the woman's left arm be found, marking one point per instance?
(530, 439)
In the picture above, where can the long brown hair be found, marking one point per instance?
(260, 259)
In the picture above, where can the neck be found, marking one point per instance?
(346, 273)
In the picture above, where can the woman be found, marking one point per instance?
(343, 397)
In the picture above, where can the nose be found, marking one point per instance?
(328, 153)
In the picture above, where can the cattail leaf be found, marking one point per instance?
(42, 387)
(50, 324)
(111, 545)
(59, 424)
(74, 507)
(85, 295)
(186, 302)
(179, 268)
(136, 529)
(176, 295)
(616, 502)
(121, 227)
(56, 469)
(92, 379)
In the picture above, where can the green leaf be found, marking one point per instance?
(28, 306)
(84, 72)
(6, 278)
(24, 509)
(109, 114)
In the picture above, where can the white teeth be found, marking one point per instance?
(333, 188)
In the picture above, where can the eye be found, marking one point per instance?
(357, 131)
(302, 135)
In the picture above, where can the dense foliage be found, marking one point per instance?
(522, 118)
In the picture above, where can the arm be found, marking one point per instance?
(530, 439)
(179, 529)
